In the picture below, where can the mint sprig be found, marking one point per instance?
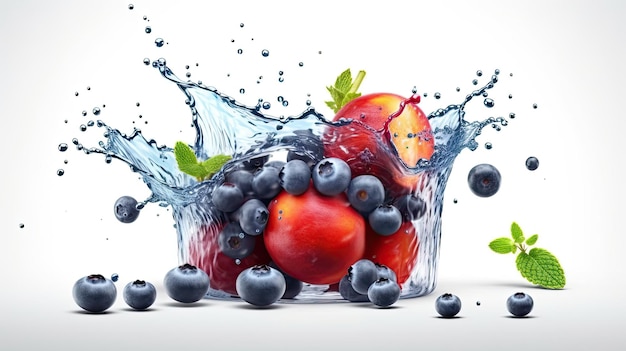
(537, 265)
(189, 163)
(344, 90)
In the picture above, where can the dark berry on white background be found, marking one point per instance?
(448, 305)
(532, 163)
(139, 294)
(484, 180)
(519, 304)
(384, 292)
(94, 293)
(125, 209)
(260, 285)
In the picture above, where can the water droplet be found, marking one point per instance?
(280, 99)
(280, 73)
(146, 61)
(488, 146)
(532, 163)
(475, 82)
(240, 51)
(21, 225)
(115, 277)
(88, 88)
(65, 161)
(159, 42)
(458, 89)
(148, 30)
(308, 102)
(267, 105)
(489, 102)
(241, 25)
(455, 201)
(425, 94)
(96, 111)
(281, 79)
(63, 147)
(511, 115)
(285, 102)
(485, 94)
(188, 74)
(477, 303)
(510, 96)
(242, 91)
(237, 261)
(479, 73)
(497, 71)
(534, 105)
(75, 141)
(414, 90)
(300, 64)
(83, 127)
(131, 6)
(65, 121)
(265, 53)
(60, 172)
(76, 93)
(437, 95)
(511, 74)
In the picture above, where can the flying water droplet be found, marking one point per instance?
(148, 30)
(437, 95)
(265, 53)
(489, 102)
(63, 147)
(96, 111)
(159, 42)
(60, 172)
(488, 145)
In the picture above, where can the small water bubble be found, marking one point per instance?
(494, 79)
(75, 141)
(458, 89)
(146, 61)
(511, 74)
(131, 6)
(88, 88)
(475, 82)
(76, 93)
(477, 303)
(280, 73)
(414, 90)
(60, 172)
(242, 91)
(21, 225)
(280, 98)
(489, 102)
(83, 127)
(90, 123)
(535, 106)
(497, 71)
(511, 115)
(532, 163)
(455, 200)
(63, 147)
(159, 42)
(265, 53)
(96, 111)
(115, 277)
(65, 121)
(479, 73)
(148, 30)
(84, 113)
(510, 96)
(425, 94)
(188, 74)
(281, 79)
(437, 95)
(241, 25)
(237, 261)
(300, 64)
(240, 51)
(285, 102)
(488, 146)
(65, 161)
(145, 18)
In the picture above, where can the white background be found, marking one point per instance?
(565, 56)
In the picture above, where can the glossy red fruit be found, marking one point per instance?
(205, 253)
(389, 135)
(314, 238)
(397, 251)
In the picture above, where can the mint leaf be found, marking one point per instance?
(532, 240)
(502, 245)
(214, 164)
(188, 162)
(344, 90)
(516, 233)
(540, 267)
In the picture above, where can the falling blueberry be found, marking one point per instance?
(532, 163)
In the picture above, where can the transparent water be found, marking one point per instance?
(223, 126)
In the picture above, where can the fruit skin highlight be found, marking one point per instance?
(370, 142)
(314, 238)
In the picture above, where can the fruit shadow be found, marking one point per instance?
(521, 286)
(442, 317)
(250, 307)
(196, 304)
(92, 313)
(522, 317)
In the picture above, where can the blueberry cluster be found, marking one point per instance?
(368, 281)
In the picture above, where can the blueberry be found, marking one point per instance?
(347, 291)
(362, 274)
(386, 272)
(139, 294)
(186, 283)
(227, 197)
(532, 163)
(94, 293)
(253, 216)
(331, 176)
(384, 292)
(266, 183)
(260, 285)
(411, 207)
(295, 177)
(385, 219)
(365, 192)
(484, 180)
(448, 305)
(242, 179)
(519, 304)
(234, 243)
(293, 286)
(126, 209)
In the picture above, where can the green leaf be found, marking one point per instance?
(214, 164)
(516, 233)
(187, 161)
(344, 90)
(532, 240)
(502, 245)
(540, 267)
